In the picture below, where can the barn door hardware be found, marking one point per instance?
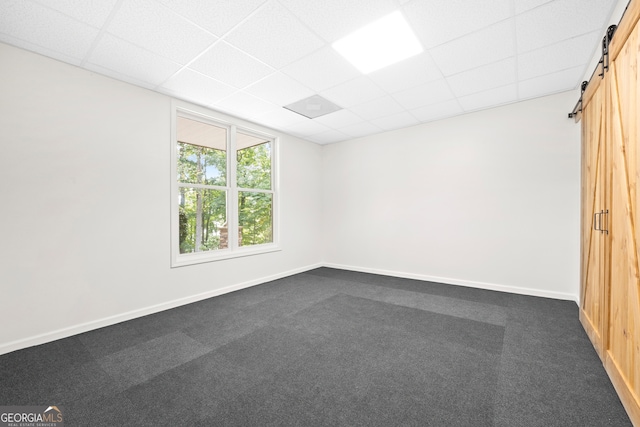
(578, 108)
(606, 221)
(597, 221)
(604, 60)
(606, 41)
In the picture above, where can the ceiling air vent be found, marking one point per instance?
(312, 107)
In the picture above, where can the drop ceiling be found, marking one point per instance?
(249, 58)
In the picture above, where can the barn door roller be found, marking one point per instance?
(606, 41)
(578, 108)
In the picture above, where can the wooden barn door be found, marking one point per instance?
(594, 266)
(610, 288)
(623, 346)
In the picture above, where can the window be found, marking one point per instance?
(223, 205)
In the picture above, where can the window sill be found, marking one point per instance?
(212, 256)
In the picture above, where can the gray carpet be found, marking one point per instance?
(328, 347)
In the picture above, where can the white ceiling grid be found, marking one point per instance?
(248, 58)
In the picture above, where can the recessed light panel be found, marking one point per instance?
(379, 44)
(312, 107)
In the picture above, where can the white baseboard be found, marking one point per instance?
(459, 282)
(112, 320)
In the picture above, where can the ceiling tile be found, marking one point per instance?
(157, 29)
(396, 121)
(195, 87)
(334, 19)
(92, 12)
(437, 22)
(539, 27)
(566, 54)
(489, 98)
(307, 128)
(339, 119)
(227, 64)
(321, 70)
(280, 118)
(329, 137)
(356, 91)
(406, 74)
(46, 28)
(217, 17)
(430, 93)
(245, 105)
(360, 129)
(524, 5)
(276, 52)
(279, 89)
(380, 107)
(274, 36)
(483, 47)
(133, 61)
(483, 78)
(550, 83)
(437, 111)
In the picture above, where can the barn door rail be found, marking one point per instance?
(604, 61)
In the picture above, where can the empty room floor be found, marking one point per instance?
(328, 347)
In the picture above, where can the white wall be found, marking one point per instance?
(84, 224)
(488, 199)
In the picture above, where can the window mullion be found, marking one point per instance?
(175, 208)
(255, 190)
(232, 218)
(204, 186)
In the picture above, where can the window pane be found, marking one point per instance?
(202, 220)
(255, 213)
(202, 153)
(254, 162)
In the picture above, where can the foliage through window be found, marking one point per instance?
(219, 211)
(255, 207)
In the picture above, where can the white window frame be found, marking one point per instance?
(193, 112)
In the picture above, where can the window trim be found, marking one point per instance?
(193, 112)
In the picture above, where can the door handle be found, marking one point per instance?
(595, 221)
(606, 229)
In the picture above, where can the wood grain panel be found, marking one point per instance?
(623, 346)
(592, 88)
(592, 290)
(625, 28)
(623, 391)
